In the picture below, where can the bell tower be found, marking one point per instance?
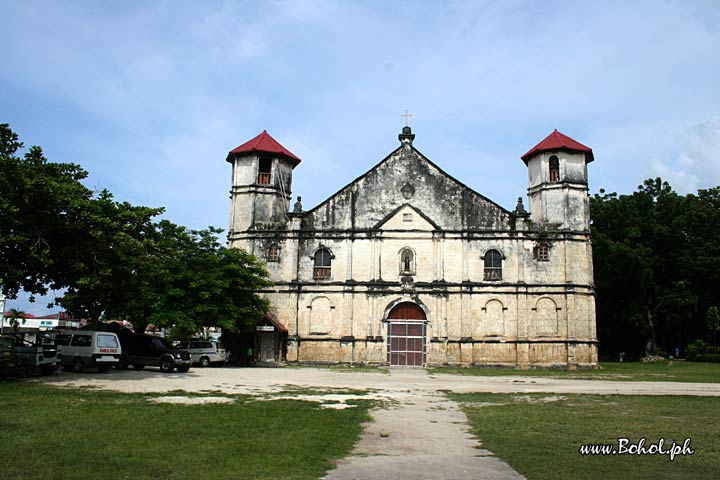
(261, 184)
(558, 186)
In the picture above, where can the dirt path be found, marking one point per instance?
(423, 436)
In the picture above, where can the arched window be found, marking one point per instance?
(323, 260)
(493, 265)
(273, 254)
(407, 262)
(554, 169)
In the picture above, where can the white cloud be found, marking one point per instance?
(682, 180)
(698, 163)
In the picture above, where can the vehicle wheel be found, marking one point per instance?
(204, 362)
(138, 366)
(166, 365)
(103, 368)
(183, 368)
(122, 363)
(78, 366)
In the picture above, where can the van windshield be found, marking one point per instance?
(107, 341)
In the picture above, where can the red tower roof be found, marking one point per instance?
(266, 144)
(558, 141)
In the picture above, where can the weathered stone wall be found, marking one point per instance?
(562, 203)
(403, 179)
(539, 313)
(463, 328)
(253, 204)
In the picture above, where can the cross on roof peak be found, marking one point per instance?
(407, 117)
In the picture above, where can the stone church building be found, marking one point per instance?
(408, 266)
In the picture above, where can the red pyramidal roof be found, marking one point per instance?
(558, 141)
(266, 144)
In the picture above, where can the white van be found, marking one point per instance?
(204, 352)
(82, 349)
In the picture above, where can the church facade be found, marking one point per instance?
(408, 266)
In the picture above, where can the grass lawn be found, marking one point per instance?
(666, 371)
(47, 432)
(540, 434)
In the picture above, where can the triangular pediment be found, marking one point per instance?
(407, 217)
(406, 182)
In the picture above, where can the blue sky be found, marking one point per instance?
(149, 96)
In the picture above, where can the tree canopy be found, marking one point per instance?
(112, 258)
(42, 210)
(189, 280)
(656, 257)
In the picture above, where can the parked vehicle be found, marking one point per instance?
(7, 358)
(205, 352)
(79, 350)
(140, 350)
(27, 353)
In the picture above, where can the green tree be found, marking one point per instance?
(713, 321)
(112, 257)
(700, 255)
(656, 256)
(107, 256)
(188, 280)
(15, 318)
(41, 205)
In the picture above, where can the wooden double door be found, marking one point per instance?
(267, 343)
(406, 339)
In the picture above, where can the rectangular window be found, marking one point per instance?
(554, 169)
(274, 253)
(543, 252)
(107, 341)
(407, 217)
(264, 171)
(161, 343)
(81, 341)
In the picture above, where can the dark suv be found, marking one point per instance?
(139, 350)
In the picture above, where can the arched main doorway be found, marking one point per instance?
(406, 335)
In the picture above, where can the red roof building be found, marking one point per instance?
(24, 315)
(264, 143)
(557, 141)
